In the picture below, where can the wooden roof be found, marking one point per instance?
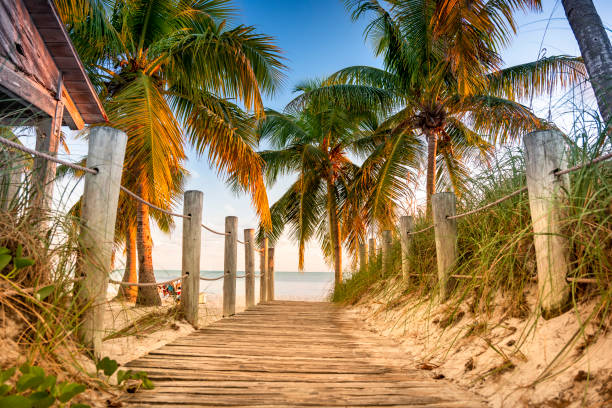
(76, 82)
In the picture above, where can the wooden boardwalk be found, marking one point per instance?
(290, 354)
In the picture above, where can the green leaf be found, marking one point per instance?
(4, 250)
(21, 263)
(15, 401)
(4, 260)
(29, 381)
(6, 374)
(108, 366)
(4, 389)
(69, 391)
(24, 368)
(43, 293)
(19, 251)
(123, 375)
(41, 399)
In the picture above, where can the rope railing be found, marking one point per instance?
(215, 232)
(148, 284)
(145, 202)
(45, 156)
(517, 192)
(211, 279)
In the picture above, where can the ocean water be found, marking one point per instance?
(313, 286)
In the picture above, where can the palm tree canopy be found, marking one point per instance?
(166, 71)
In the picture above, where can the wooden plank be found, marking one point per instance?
(289, 354)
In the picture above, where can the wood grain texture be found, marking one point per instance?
(290, 354)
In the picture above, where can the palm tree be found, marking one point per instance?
(314, 143)
(165, 70)
(443, 69)
(596, 50)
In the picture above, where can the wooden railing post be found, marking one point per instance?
(249, 267)
(263, 272)
(98, 215)
(372, 249)
(192, 243)
(229, 266)
(544, 155)
(11, 173)
(387, 243)
(444, 206)
(406, 227)
(363, 256)
(270, 290)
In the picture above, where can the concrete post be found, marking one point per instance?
(192, 243)
(444, 206)
(229, 266)
(406, 227)
(544, 155)
(249, 267)
(98, 215)
(263, 272)
(270, 290)
(387, 243)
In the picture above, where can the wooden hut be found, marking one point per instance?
(42, 80)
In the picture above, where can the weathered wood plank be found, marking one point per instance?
(290, 354)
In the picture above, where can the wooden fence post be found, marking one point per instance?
(387, 242)
(372, 249)
(406, 227)
(444, 206)
(363, 256)
(11, 173)
(229, 266)
(544, 155)
(270, 290)
(263, 272)
(192, 243)
(249, 267)
(98, 215)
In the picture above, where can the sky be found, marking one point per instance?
(318, 38)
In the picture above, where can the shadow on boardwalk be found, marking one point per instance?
(289, 354)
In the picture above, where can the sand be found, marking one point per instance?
(511, 362)
(120, 314)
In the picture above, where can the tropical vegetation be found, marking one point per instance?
(166, 72)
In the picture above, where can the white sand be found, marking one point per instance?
(538, 378)
(120, 314)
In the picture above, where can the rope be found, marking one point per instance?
(143, 201)
(419, 231)
(578, 167)
(494, 203)
(211, 279)
(142, 285)
(215, 232)
(45, 156)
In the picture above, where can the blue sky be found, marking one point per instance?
(317, 38)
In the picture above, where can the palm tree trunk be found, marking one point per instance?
(130, 275)
(432, 152)
(334, 232)
(596, 50)
(147, 295)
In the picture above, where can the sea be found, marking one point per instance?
(312, 286)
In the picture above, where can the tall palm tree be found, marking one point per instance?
(314, 143)
(596, 50)
(165, 70)
(442, 66)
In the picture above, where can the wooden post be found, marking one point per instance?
(387, 242)
(47, 141)
(363, 256)
(372, 248)
(263, 272)
(11, 172)
(406, 227)
(229, 266)
(544, 155)
(98, 215)
(249, 267)
(444, 206)
(270, 290)
(192, 244)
